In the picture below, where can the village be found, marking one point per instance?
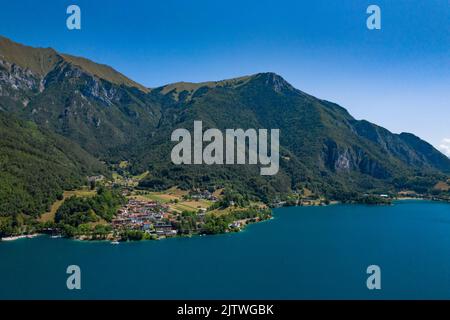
(148, 216)
(161, 215)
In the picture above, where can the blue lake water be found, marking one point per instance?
(304, 252)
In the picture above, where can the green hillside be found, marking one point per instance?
(37, 166)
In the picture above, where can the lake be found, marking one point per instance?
(304, 252)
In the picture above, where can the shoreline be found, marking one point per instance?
(87, 239)
(22, 236)
(114, 240)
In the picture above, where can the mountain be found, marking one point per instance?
(323, 148)
(92, 104)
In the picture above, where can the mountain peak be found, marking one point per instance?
(268, 74)
(274, 81)
(39, 60)
(187, 89)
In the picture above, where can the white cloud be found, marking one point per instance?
(445, 147)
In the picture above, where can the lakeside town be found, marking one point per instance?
(137, 214)
(140, 214)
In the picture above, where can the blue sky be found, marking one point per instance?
(398, 77)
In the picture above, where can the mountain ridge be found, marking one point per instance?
(323, 148)
(47, 58)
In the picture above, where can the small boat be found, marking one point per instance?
(115, 242)
(56, 236)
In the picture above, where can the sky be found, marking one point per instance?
(397, 77)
